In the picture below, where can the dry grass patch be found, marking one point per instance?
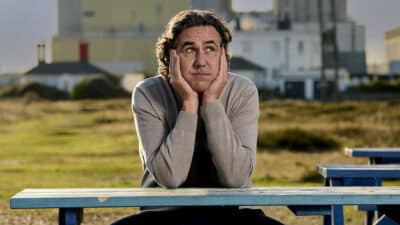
(93, 144)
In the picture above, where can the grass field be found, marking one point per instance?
(94, 144)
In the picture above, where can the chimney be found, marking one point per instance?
(41, 51)
(83, 51)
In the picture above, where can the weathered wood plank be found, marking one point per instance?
(359, 171)
(134, 197)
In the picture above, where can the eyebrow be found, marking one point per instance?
(186, 43)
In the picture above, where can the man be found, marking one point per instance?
(196, 123)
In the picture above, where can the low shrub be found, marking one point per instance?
(311, 176)
(267, 94)
(33, 89)
(296, 139)
(377, 87)
(98, 88)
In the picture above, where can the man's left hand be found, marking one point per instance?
(215, 89)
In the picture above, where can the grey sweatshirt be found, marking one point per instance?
(216, 148)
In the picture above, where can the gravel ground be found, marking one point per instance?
(48, 217)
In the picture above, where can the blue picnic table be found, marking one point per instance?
(375, 155)
(71, 202)
(355, 175)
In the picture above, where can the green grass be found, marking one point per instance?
(69, 148)
(94, 144)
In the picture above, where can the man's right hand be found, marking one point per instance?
(188, 95)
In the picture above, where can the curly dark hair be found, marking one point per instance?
(183, 20)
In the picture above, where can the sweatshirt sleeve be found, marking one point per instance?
(166, 153)
(233, 141)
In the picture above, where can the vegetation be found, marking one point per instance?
(267, 94)
(296, 139)
(90, 88)
(377, 87)
(33, 90)
(93, 144)
(98, 88)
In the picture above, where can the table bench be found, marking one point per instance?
(355, 175)
(375, 155)
(71, 202)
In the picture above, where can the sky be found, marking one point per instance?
(23, 23)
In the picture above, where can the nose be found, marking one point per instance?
(200, 59)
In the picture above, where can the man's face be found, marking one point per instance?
(199, 50)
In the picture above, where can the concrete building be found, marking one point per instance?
(306, 84)
(306, 11)
(279, 50)
(392, 45)
(291, 59)
(222, 7)
(304, 15)
(121, 34)
(394, 66)
(350, 39)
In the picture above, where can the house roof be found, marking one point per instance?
(66, 67)
(239, 63)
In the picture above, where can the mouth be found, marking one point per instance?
(201, 74)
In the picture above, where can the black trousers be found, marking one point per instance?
(200, 216)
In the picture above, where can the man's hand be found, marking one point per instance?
(215, 89)
(188, 95)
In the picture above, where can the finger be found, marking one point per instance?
(220, 61)
(171, 62)
(222, 64)
(176, 68)
(177, 65)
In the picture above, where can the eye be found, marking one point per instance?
(188, 50)
(210, 49)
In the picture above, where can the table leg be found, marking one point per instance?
(337, 215)
(70, 216)
(337, 210)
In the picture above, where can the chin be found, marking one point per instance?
(200, 88)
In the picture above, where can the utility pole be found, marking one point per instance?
(335, 53)
(322, 83)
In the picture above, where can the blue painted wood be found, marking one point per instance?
(366, 207)
(356, 175)
(355, 181)
(385, 220)
(359, 171)
(134, 197)
(71, 201)
(376, 155)
(373, 152)
(302, 210)
(337, 215)
(70, 216)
